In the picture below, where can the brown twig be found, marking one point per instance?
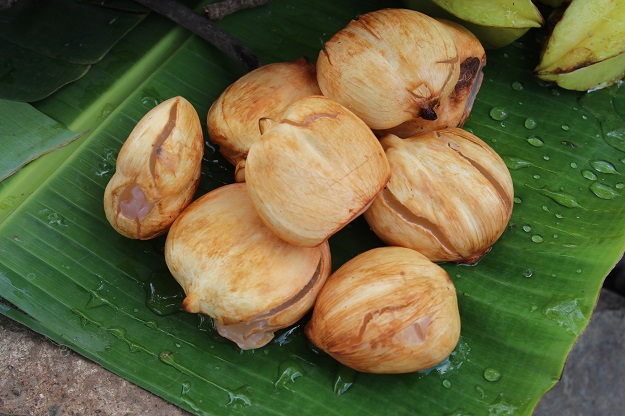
(221, 9)
(205, 29)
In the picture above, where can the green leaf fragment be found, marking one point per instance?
(26, 134)
(45, 45)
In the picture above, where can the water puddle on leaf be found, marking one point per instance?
(8, 202)
(107, 164)
(454, 362)
(164, 295)
(288, 336)
(186, 399)
(120, 334)
(606, 105)
(288, 372)
(567, 314)
(237, 398)
(502, 407)
(52, 218)
(343, 379)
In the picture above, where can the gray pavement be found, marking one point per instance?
(38, 377)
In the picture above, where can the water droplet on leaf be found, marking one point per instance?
(535, 141)
(492, 374)
(530, 124)
(498, 113)
(515, 163)
(589, 175)
(604, 191)
(603, 166)
(517, 86)
(562, 198)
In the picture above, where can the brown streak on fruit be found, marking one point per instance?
(164, 134)
(409, 216)
(490, 178)
(468, 71)
(295, 298)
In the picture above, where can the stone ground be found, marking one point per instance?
(38, 377)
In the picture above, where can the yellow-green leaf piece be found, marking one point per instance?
(500, 13)
(26, 134)
(589, 31)
(595, 76)
(493, 35)
(554, 3)
(496, 37)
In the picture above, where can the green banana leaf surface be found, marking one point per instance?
(26, 134)
(67, 274)
(45, 45)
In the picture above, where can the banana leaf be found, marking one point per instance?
(26, 134)
(45, 45)
(66, 273)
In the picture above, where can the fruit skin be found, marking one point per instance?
(314, 170)
(389, 67)
(233, 119)
(157, 171)
(235, 270)
(496, 23)
(585, 47)
(387, 310)
(455, 108)
(450, 196)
